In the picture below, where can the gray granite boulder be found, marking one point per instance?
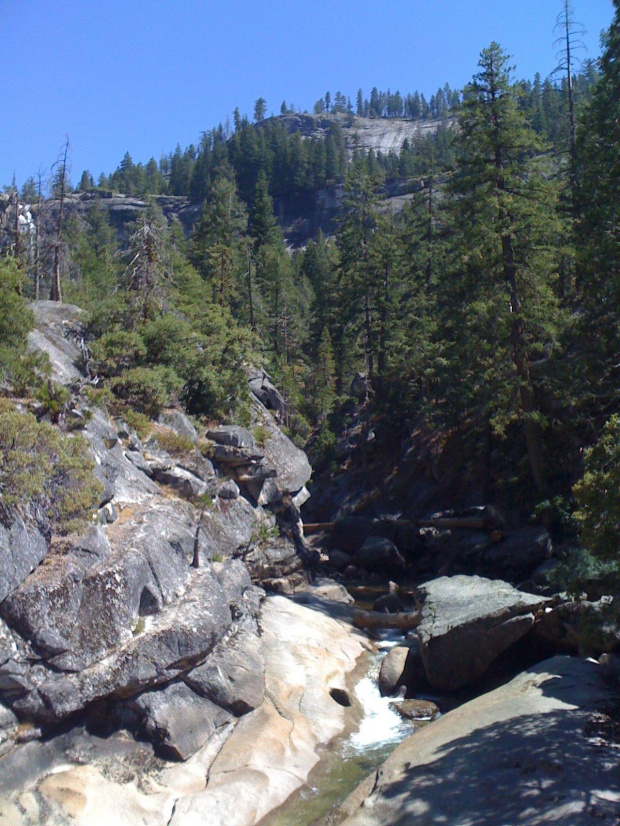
(232, 436)
(401, 668)
(181, 635)
(291, 463)
(183, 481)
(177, 720)
(380, 555)
(234, 674)
(467, 622)
(228, 490)
(264, 390)
(519, 554)
(179, 422)
(581, 627)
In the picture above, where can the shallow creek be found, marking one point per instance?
(372, 732)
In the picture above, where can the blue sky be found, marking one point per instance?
(142, 75)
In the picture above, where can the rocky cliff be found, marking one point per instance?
(150, 615)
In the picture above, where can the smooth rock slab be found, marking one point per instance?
(532, 752)
(467, 622)
(273, 749)
(83, 780)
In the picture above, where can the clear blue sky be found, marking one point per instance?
(142, 75)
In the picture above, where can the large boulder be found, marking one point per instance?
(380, 555)
(581, 627)
(467, 622)
(177, 720)
(232, 436)
(291, 464)
(402, 671)
(234, 675)
(180, 636)
(179, 422)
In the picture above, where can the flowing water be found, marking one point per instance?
(350, 758)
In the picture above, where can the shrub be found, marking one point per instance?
(148, 389)
(117, 351)
(261, 434)
(40, 466)
(138, 421)
(16, 365)
(176, 444)
(598, 494)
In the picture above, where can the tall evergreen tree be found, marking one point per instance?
(599, 240)
(502, 310)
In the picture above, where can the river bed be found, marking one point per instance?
(373, 731)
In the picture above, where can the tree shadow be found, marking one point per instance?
(544, 767)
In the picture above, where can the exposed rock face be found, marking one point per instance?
(293, 467)
(243, 770)
(22, 547)
(151, 612)
(466, 624)
(531, 752)
(55, 322)
(581, 627)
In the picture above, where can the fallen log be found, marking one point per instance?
(456, 522)
(376, 619)
(317, 527)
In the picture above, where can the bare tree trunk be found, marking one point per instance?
(252, 324)
(56, 291)
(16, 226)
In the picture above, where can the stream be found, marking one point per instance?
(373, 731)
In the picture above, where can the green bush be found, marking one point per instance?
(177, 444)
(148, 389)
(117, 351)
(40, 466)
(598, 495)
(17, 367)
(261, 434)
(138, 421)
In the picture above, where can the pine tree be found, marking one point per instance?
(218, 248)
(503, 312)
(598, 150)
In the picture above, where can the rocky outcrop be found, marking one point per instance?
(467, 622)
(243, 770)
(540, 749)
(57, 333)
(151, 613)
